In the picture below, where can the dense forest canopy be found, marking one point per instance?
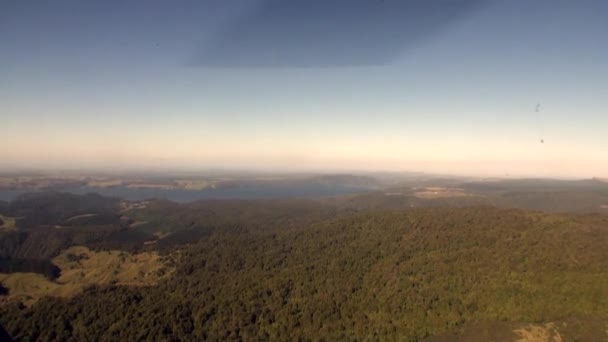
(367, 266)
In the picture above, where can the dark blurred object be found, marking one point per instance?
(4, 336)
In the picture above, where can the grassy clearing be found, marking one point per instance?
(7, 223)
(538, 333)
(81, 267)
(28, 287)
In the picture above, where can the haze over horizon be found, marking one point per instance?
(494, 88)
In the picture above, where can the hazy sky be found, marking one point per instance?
(442, 86)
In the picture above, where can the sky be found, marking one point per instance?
(477, 87)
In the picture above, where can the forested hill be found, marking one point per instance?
(369, 275)
(49, 209)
